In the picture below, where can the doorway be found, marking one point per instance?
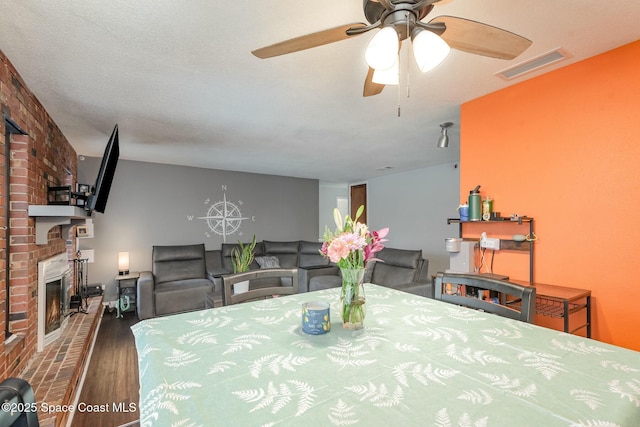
(358, 195)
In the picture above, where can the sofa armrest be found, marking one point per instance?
(145, 304)
(216, 278)
(305, 274)
(423, 270)
(215, 275)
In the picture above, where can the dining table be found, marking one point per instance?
(416, 362)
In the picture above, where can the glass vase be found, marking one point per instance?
(352, 298)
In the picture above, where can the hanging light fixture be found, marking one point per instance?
(388, 77)
(429, 49)
(443, 141)
(382, 50)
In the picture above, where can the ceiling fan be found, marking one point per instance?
(399, 20)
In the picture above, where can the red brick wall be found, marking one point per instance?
(43, 157)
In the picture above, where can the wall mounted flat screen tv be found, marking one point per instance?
(97, 201)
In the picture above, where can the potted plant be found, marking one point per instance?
(242, 257)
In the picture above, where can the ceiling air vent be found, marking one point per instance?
(533, 64)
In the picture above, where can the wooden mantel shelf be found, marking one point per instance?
(49, 216)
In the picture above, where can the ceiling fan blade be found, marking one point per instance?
(481, 39)
(371, 88)
(307, 41)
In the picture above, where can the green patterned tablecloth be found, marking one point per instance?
(417, 362)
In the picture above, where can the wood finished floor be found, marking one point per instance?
(112, 378)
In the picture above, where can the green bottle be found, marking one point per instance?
(475, 205)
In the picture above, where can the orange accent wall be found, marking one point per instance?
(564, 148)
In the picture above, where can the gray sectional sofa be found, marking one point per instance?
(183, 277)
(401, 269)
(299, 254)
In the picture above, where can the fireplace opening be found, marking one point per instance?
(54, 306)
(54, 293)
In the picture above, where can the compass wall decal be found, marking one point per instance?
(223, 217)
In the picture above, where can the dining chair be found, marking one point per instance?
(286, 285)
(514, 301)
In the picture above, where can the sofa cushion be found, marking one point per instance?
(310, 255)
(227, 261)
(390, 275)
(271, 247)
(172, 263)
(400, 257)
(268, 261)
(287, 252)
(398, 266)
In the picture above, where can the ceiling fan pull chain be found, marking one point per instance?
(407, 56)
(406, 15)
(398, 100)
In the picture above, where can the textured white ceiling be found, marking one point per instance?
(179, 79)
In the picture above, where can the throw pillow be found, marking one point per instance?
(268, 261)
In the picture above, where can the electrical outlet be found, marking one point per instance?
(490, 243)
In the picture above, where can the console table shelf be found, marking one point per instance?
(506, 244)
(561, 302)
(551, 308)
(514, 245)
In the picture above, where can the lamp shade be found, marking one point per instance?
(382, 50)
(429, 49)
(389, 77)
(123, 262)
(443, 141)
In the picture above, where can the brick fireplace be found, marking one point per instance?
(27, 165)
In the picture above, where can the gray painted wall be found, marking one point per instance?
(158, 204)
(415, 206)
(329, 192)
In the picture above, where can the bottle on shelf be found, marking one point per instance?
(487, 208)
(464, 212)
(475, 208)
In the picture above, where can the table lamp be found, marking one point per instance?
(123, 263)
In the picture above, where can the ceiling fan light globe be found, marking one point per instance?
(382, 50)
(388, 77)
(429, 50)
